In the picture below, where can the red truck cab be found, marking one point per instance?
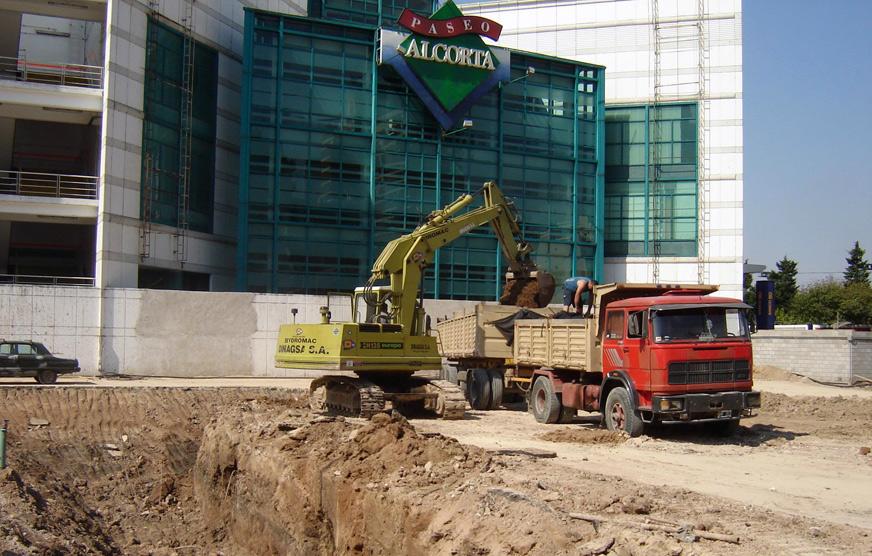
(673, 358)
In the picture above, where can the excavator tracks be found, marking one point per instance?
(340, 395)
(360, 397)
(450, 403)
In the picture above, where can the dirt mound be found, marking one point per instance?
(768, 372)
(839, 417)
(578, 435)
(329, 486)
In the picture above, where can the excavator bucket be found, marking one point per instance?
(534, 290)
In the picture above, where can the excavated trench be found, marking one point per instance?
(177, 471)
(181, 471)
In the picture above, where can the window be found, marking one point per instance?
(24, 349)
(5, 349)
(637, 325)
(615, 325)
(337, 166)
(651, 180)
(162, 124)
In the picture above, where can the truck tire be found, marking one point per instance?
(46, 377)
(496, 383)
(544, 402)
(478, 389)
(620, 415)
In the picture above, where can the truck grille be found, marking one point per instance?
(706, 372)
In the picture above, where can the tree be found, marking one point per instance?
(830, 302)
(785, 283)
(857, 271)
(750, 291)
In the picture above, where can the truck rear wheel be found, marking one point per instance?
(478, 389)
(496, 383)
(543, 401)
(620, 415)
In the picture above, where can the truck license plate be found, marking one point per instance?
(725, 414)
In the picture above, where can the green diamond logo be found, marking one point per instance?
(447, 54)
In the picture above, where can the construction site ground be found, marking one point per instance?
(241, 466)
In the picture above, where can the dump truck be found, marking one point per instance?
(389, 337)
(650, 353)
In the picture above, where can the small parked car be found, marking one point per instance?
(33, 359)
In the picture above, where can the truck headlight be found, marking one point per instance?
(671, 405)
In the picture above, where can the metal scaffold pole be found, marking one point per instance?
(186, 109)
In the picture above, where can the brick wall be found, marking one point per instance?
(837, 356)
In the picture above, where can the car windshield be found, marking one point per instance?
(40, 349)
(700, 323)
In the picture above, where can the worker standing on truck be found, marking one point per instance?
(573, 288)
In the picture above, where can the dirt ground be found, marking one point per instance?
(173, 468)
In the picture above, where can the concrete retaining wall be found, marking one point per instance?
(166, 333)
(838, 356)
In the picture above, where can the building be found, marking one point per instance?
(674, 79)
(124, 162)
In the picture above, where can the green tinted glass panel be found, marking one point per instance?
(325, 186)
(162, 130)
(651, 180)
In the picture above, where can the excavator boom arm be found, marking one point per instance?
(404, 259)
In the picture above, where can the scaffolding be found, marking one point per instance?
(187, 100)
(151, 170)
(151, 160)
(676, 35)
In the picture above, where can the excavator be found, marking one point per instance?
(388, 338)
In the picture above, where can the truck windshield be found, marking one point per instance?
(700, 323)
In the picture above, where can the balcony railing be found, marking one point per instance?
(73, 75)
(48, 185)
(31, 280)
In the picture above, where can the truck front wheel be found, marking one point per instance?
(620, 415)
(544, 403)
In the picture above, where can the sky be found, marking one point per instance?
(808, 132)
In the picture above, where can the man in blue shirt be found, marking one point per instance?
(573, 288)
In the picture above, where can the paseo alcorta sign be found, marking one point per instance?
(445, 60)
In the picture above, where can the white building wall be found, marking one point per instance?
(136, 332)
(218, 24)
(620, 36)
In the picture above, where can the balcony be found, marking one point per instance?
(72, 75)
(38, 184)
(29, 280)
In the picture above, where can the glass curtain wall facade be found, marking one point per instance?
(339, 157)
(163, 122)
(651, 180)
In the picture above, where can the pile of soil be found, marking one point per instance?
(839, 417)
(579, 435)
(768, 372)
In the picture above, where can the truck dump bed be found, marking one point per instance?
(555, 343)
(474, 336)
